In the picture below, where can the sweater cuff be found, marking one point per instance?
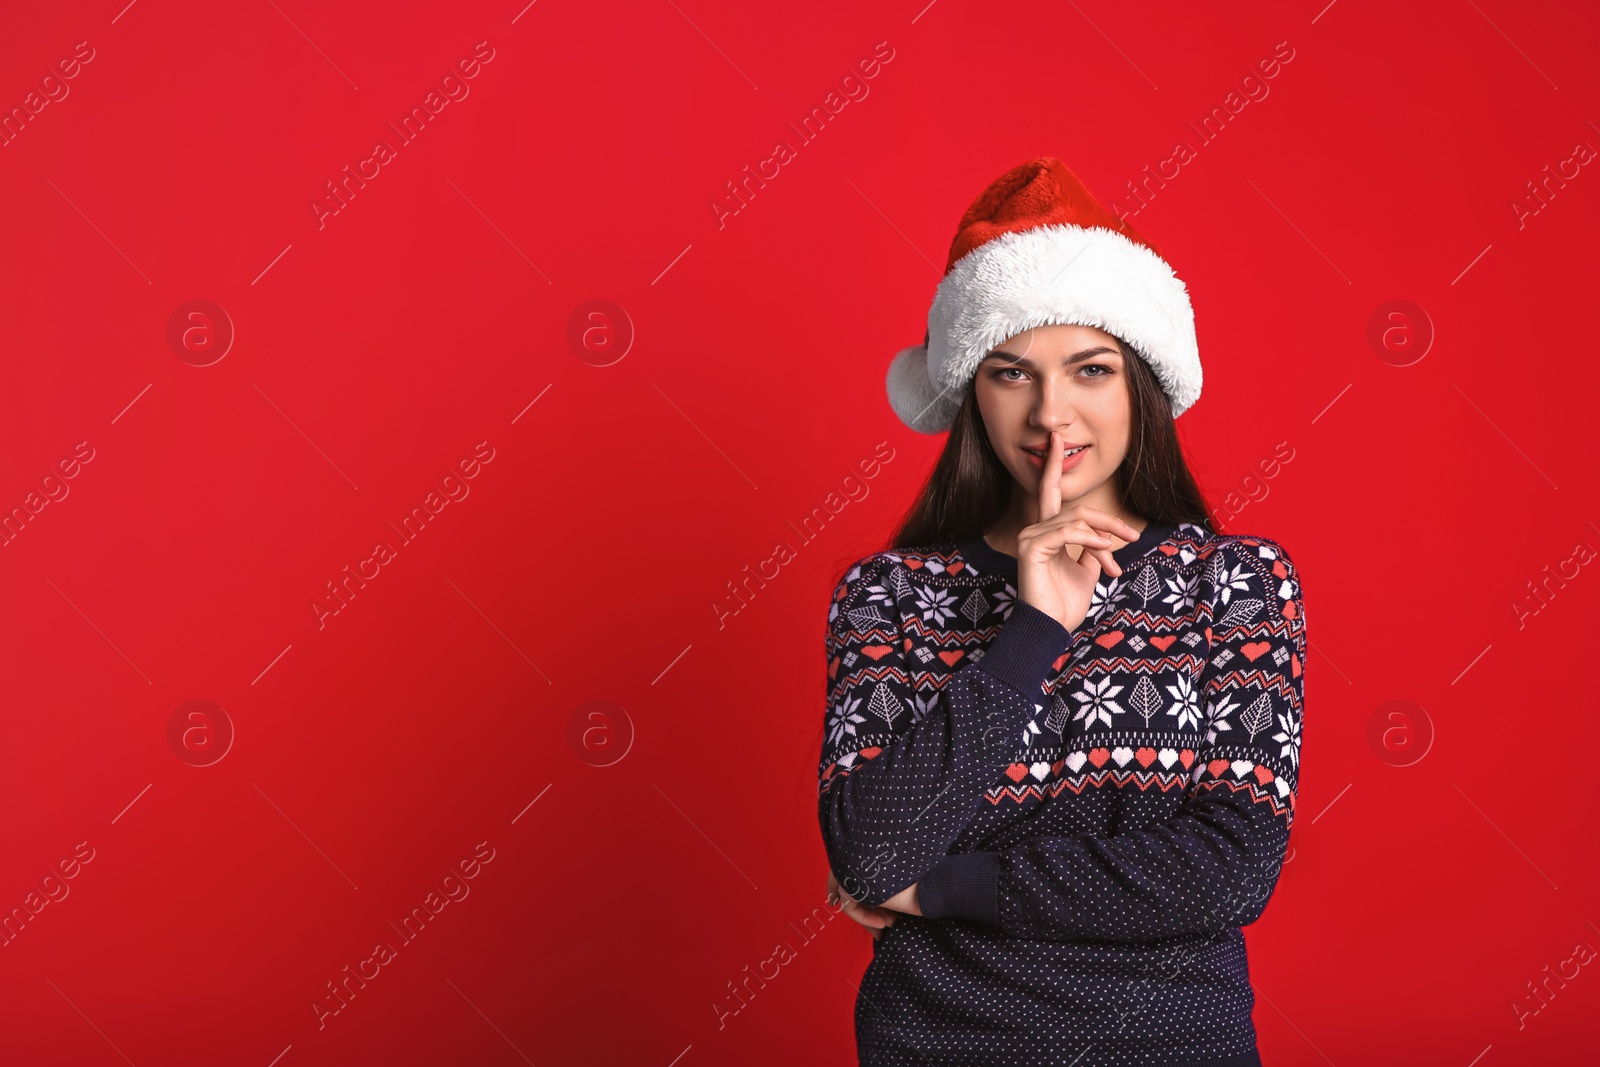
(963, 886)
(1025, 649)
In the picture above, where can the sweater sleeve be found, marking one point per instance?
(904, 765)
(1214, 863)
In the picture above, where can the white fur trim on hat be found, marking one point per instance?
(1051, 274)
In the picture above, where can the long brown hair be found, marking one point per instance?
(970, 488)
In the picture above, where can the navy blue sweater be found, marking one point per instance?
(1091, 814)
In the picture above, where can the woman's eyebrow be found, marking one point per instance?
(1076, 357)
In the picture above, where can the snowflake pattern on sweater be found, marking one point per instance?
(1091, 815)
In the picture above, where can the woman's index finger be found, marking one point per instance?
(1050, 480)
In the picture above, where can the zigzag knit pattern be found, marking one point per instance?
(1090, 815)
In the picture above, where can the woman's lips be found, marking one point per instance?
(1067, 462)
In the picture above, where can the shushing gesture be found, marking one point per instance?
(1047, 575)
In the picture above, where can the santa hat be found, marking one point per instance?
(1036, 248)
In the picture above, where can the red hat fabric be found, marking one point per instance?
(1036, 248)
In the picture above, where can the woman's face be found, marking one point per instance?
(1065, 378)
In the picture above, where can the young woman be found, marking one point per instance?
(1062, 737)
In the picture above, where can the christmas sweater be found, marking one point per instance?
(1091, 814)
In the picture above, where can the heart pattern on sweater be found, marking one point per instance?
(1254, 650)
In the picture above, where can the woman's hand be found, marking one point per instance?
(907, 900)
(873, 918)
(1047, 575)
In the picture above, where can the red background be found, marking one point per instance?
(436, 710)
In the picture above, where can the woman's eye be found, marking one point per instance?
(1007, 370)
(1098, 367)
